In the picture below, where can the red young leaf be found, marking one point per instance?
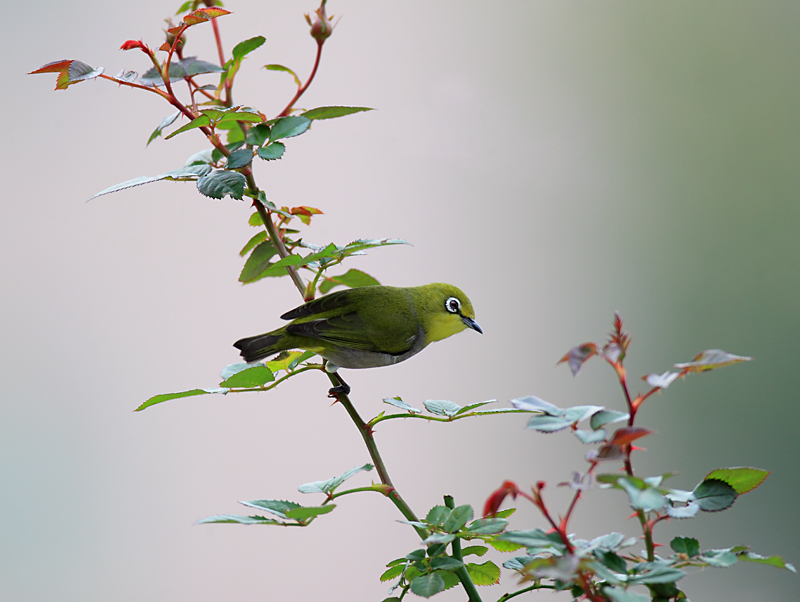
(69, 72)
(577, 355)
(202, 15)
(496, 499)
(131, 44)
(629, 434)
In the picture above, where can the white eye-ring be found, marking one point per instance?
(452, 305)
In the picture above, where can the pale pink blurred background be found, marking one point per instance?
(557, 160)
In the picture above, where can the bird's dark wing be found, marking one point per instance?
(332, 302)
(346, 331)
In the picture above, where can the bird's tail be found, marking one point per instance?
(258, 347)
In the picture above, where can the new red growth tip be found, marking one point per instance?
(496, 499)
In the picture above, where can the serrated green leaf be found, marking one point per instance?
(713, 495)
(330, 484)
(286, 360)
(258, 261)
(642, 497)
(504, 546)
(518, 563)
(441, 407)
(427, 585)
(168, 121)
(439, 538)
(611, 560)
(399, 403)
(238, 519)
(305, 512)
(474, 406)
(332, 112)
(534, 538)
(775, 561)
(244, 48)
(719, 558)
(288, 127)
(232, 117)
(192, 66)
(277, 507)
(590, 436)
(446, 563)
(236, 136)
(531, 403)
(201, 121)
(743, 479)
(487, 526)
(436, 515)
(255, 240)
(604, 417)
(685, 545)
(255, 220)
(257, 376)
(220, 183)
(548, 424)
(416, 555)
(393, 572)
(352, 278)
(655, 572)
(187, 173)
(487, 573)
(257, 134)
(474, 550)
(457, 518)
(272, 151)
(156, 399)
(577, 414)
(505, 513)
(239, 158)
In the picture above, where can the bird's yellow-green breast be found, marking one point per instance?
(369, 326)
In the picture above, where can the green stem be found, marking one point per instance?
(380, 467)
(305, 86)
(505, 597)
(272, 231)
(375, 488)
(279, 381)
(378, 419)
(462, 573)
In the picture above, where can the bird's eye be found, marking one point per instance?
(452, 305)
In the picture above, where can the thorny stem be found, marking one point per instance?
(303, 88)
(462, 573)
(228, 92)
(583, 581)
(380, 467)
(647, 530)
(536, 586)
(272, 231)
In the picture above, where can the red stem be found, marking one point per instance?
(303, 88)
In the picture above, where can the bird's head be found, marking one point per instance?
(444, 310)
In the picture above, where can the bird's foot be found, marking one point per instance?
(341, 389)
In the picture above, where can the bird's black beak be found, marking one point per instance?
(471, 324)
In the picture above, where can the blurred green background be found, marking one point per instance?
(557, 160)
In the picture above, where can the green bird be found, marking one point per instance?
(369, 326)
